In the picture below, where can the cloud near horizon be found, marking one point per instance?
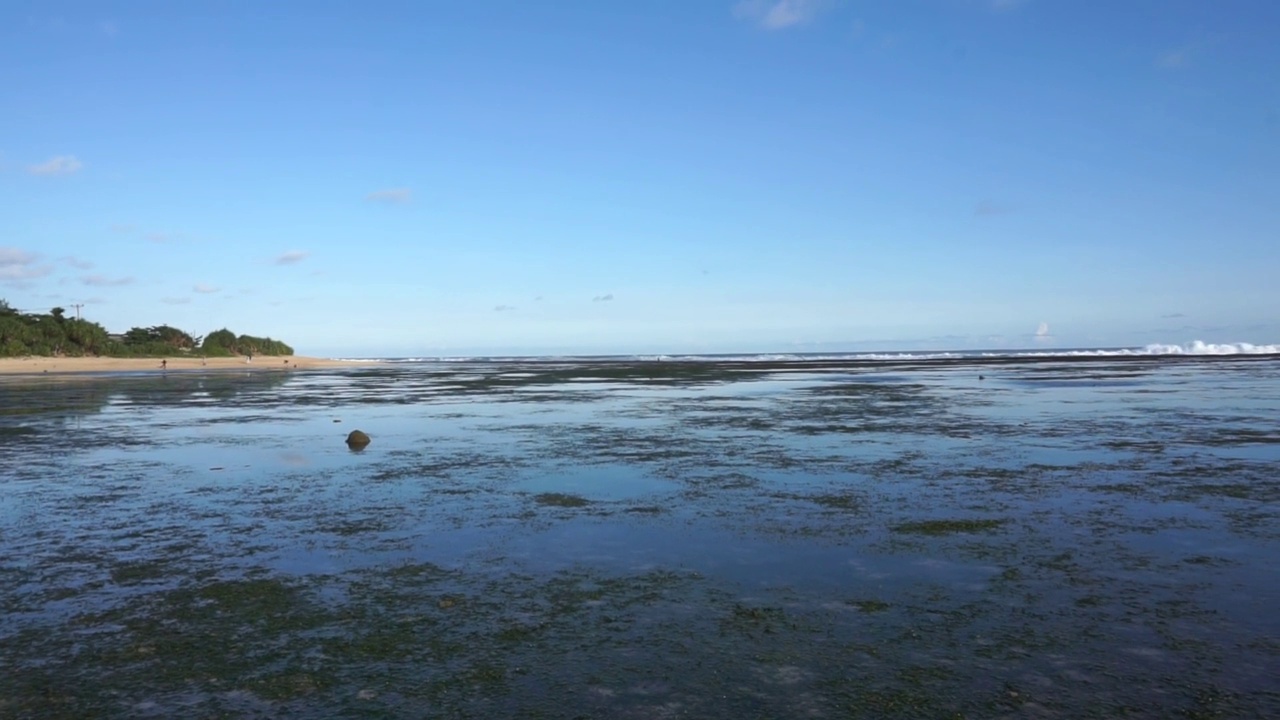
(203, 288)
(779, 14)
(292, 257)
(57, 165)
(104, 281)
(392, 196)
(603, 298)
(16, 264)
(503, 308)
(175, 301)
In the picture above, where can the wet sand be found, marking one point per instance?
(43, 365)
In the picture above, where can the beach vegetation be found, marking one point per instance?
(48, 334)
(158, 340)
(224, 343)
(262, 346)
(220, 343)
(53, 334)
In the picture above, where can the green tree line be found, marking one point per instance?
(54, 334)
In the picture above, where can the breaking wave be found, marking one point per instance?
(1192, 348)
(1196, 348)
(1201, 348)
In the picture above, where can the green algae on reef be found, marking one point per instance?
(947, 527)
(870, 606)
(565, 500)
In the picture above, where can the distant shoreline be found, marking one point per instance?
(80, 365)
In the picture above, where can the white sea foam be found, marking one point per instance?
(1203, 348)
(1192, 348)
(1157, 349)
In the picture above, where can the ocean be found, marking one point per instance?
(1090, 533)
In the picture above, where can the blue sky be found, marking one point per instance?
(407, 178)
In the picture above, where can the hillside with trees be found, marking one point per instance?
(53, 334)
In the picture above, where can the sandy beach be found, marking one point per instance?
(51, 365)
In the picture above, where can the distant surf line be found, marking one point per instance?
(1192, 349)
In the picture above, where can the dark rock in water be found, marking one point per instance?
(357, 439)
(981, 378)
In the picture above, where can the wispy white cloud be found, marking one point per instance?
(603, 298)
(203, 288)
(58, 165)
(17, 264)
(1190, 53)
(1006, 5)
(503, 308)
(175, 300)
(76, 262)
(1174, 59)
(122, 227)
(392, 196)
(292, 257)
(779, 14)
(110, 28)
(104, 281)
(987, 208)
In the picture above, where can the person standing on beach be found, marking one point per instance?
(164, 364)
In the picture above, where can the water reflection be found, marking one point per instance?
(614, 540)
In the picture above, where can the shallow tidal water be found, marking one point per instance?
(829, 539)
